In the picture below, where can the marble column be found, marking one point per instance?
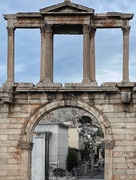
(42, 67)
(126, 31)
(48, 74)
(92, 54)
(86, 54)
(10, 58)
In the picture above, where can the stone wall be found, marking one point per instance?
(116, 116)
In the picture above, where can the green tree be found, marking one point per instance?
(72, 159)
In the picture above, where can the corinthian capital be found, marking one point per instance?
(126, 30)
(42, 29)
(86, 28)
(48, 28)
(92, 31)
(109, 144)
(25, 145)
(10, 30)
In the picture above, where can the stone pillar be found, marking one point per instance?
(108, 145)
(48, 75)
(10, 58)
(92, 55)
(126, 31)
(86, 54)
(25, 149)
(42, 68)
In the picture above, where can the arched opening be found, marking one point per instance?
(37, 115)
(68, 142)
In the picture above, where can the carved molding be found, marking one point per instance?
(126, 30)
(109, 144)
(48, 28)
(86, 29)
(25, 145)
(92, 31)
(11, 31)
(42, 30)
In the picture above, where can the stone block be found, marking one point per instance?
(130, 137)
(120, 166)
(14, 160)
(124, 143)
(3, 137)
(130, 148)
(3, 149)
(119, 137)
(3, 126)
(123, 131)
(118, 160)
(117, 125)
(3, 173)
(13, 172)
(10, 131)
(12, 149)
(13, 137)
(16, 126)
(120, 148)
(3, 160)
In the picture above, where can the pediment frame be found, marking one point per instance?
(66, 7)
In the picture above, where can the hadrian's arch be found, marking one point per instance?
(36, 116)
(22, 105)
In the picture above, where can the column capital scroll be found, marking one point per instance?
(42, 29)
(48, 28)
(92, 30)
(109, 144)
(126, 30)
(25, 145)
(86, 28)
(11, 30)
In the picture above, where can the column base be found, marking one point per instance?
(8, 84)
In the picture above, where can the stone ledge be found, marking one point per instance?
(126, 84)
(48, 85)
(81, 84)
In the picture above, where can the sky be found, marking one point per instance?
(68, 49)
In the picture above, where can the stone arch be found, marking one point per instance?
(36, 116)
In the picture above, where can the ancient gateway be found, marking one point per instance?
(22, 105)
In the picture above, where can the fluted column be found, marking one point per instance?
(92, 54)
(126, 31)
(10, 58)
(86, 54)
(48, 55)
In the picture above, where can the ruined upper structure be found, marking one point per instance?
(67, 18)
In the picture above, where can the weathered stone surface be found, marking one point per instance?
(22, 105)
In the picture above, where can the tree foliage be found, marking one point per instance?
(72, 159)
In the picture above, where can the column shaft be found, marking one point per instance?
(48, 54)
(86, 54)
(10, 58)
(92, 55)
(126, 31)
(42, 68)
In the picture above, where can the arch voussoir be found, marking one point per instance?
(42, 111)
